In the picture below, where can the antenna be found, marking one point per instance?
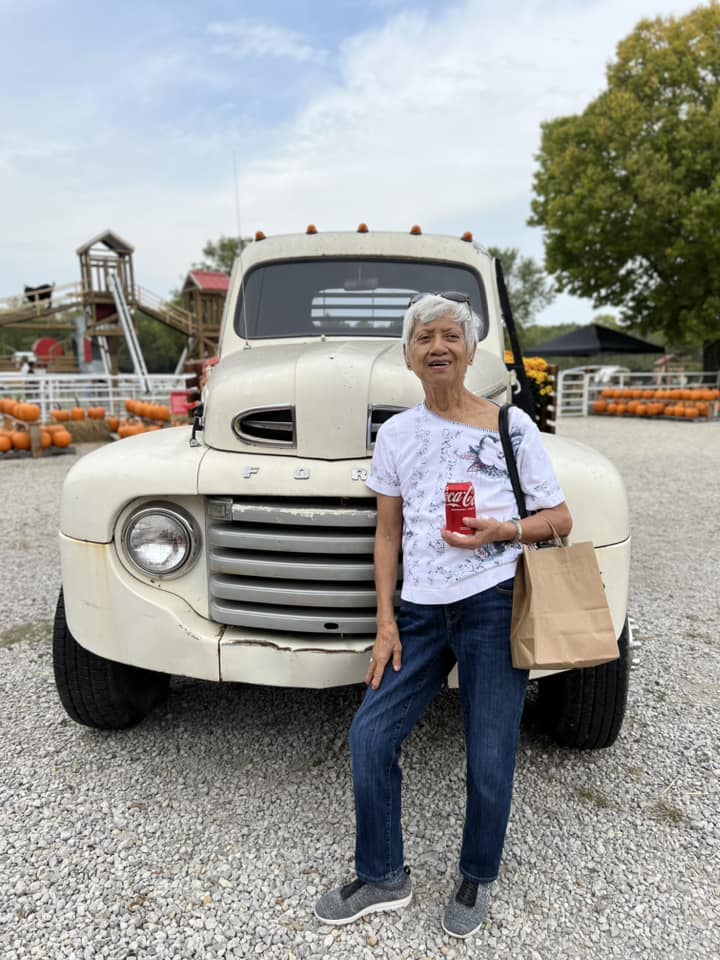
(239, 236)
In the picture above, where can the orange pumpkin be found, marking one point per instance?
(113, 423)
(5, 444)
(96, 413)
(62, 438)
(130, 429)
(600, 406)
(29, 412)
(45, 439)
(77, 413)
(60, 416)
(21, 439)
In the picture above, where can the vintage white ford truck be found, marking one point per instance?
(244, 552)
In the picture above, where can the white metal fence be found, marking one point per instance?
(578, 389)
(51, 391)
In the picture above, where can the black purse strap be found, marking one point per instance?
(510, 461)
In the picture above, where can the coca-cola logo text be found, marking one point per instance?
(460, 498)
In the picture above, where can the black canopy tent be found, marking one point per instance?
(591, 340)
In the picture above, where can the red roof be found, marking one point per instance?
(211, 280)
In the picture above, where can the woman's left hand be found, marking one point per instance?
(487, 530)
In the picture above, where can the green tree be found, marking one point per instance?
(161, 346)
(628, 192)
(220, 254)
(527, 284)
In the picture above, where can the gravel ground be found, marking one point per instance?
(209, 830)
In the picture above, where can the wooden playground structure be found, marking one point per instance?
(104, 305)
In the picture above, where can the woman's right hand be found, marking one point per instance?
(387, 647)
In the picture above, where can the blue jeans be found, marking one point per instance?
(475, 633)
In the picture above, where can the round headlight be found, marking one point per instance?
(160, 541)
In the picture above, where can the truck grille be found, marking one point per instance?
(299, 566)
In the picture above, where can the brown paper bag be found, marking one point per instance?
(560, 613)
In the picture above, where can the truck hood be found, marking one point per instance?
(317, 399)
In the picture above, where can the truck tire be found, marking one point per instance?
(584, 709)
(99, 692)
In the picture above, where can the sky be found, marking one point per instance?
(172, 123)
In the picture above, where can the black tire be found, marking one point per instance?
(99, 692)
(584, 709)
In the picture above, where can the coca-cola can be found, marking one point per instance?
(459, 503)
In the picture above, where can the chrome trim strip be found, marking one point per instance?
(284, 426)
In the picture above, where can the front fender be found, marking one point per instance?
(594, 492)
(158, 464)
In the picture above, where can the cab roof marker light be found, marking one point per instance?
(415, 230)
(362, 228)
(259, 235)
(467, 237)
(311, 228)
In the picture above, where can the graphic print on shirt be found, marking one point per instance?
(487, 456)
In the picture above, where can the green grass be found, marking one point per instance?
(592, 795)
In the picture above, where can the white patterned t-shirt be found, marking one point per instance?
(416, 454)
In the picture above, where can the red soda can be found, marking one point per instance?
(459, 503)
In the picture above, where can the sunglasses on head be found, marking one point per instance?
(455, 295)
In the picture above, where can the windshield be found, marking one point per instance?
(343, 297)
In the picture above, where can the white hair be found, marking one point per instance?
(434, 307)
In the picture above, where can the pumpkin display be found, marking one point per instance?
(677, 403)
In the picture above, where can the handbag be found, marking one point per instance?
(560, 616)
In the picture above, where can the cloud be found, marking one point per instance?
(429, 117)
(251, 38)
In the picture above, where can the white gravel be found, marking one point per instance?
(209, 830)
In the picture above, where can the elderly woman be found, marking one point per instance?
(456, 607)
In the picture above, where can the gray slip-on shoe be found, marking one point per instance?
(354, 900)
(467, 908)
